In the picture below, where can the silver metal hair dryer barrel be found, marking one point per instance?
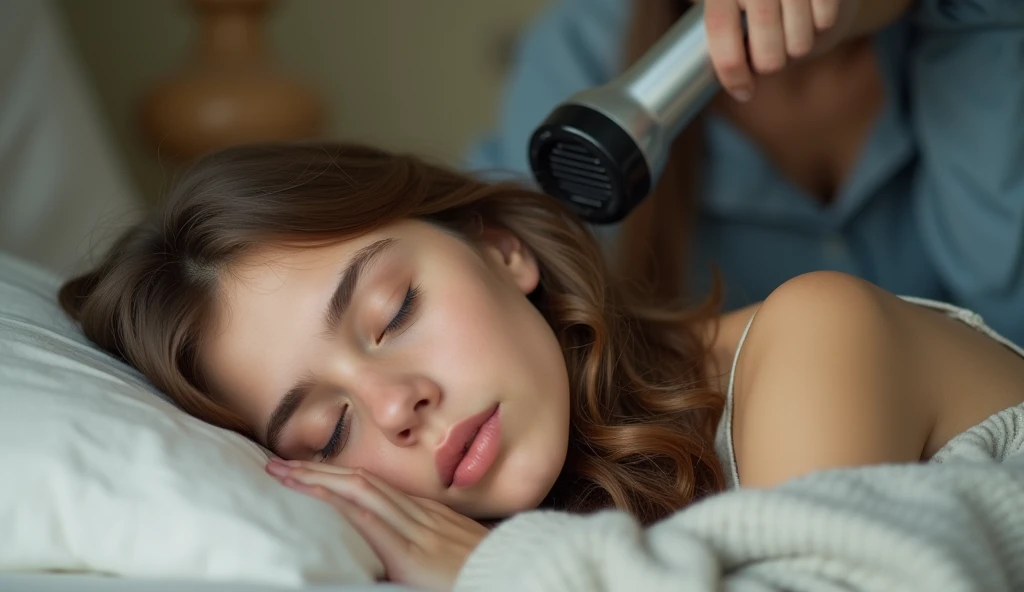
(603, 150)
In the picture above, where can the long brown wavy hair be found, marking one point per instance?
(642, 419)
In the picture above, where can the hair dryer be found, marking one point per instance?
(603, 150)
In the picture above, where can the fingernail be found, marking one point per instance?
(742, 95)
(277, 469)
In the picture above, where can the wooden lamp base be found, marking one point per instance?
(229, 94)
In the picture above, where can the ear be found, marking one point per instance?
(505, 250)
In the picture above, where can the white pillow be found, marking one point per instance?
(98, 473)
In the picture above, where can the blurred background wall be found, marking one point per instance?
(413, 75)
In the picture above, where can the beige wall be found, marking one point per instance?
(420, 75)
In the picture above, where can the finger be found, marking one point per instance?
(727, 48)
(798, 24)
(345, 480)
(387, 543)
(397, 497)
(825, 12)
(457, 525)
(766, 36)
(361, 491)
(341, 479)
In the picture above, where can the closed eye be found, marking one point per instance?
(338, 437)
(401, 318)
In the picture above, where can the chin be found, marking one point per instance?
(506, 507)
(522, 488)
(510, 493)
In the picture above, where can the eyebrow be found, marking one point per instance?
(342, 297)
(336, 307)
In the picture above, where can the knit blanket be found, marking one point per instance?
(953, 524)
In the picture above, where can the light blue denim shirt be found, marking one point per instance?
(934, 207)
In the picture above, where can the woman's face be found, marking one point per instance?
(394, 352)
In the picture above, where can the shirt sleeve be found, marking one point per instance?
(966, 79)
(573, 45)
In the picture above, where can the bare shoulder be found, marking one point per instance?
(824, 381)
(823, 312)
(827, 296)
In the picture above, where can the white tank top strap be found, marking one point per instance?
(968, 317)
(723, 434)
(739, 348)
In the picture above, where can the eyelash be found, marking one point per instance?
(404, 312)
(340, 433)
(338, 438)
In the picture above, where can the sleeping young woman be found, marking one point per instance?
(423, 350)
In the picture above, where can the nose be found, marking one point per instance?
(400, 405)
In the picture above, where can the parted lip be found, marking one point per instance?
(451, 452)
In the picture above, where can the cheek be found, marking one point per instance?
(465, 340)
(482, 346)
(400, 468)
